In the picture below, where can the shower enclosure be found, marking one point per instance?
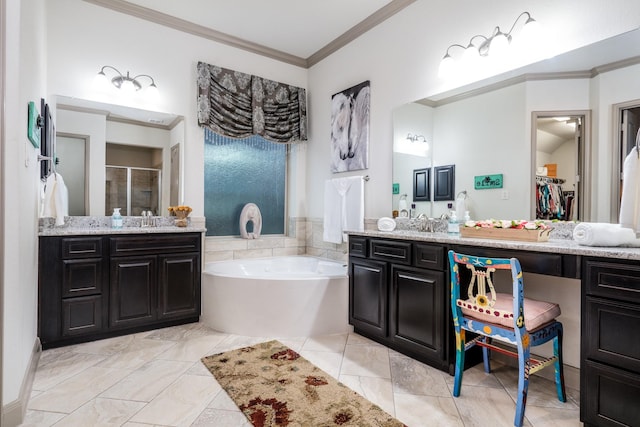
(133, 190)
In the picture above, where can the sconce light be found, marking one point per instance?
(495, 44)
(416, 138)
(126, 83)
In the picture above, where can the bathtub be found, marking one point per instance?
(291, 296)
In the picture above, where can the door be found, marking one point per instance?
(179, 285)
(417, 311)
(368, 296)
(560, 143)
(72, 154)
(133, 291)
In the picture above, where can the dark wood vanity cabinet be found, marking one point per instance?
(92, 287)
(610, 362)
(398, 296)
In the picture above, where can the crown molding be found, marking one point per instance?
(197, 30)
(356, 31)
(582, 74)
(169, 21)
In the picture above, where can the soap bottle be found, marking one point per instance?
(412, 211)
(453, 227)
(116, 219)
(467, 217)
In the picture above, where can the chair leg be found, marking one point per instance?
(558, 367)
(524, 364)
(486, 356)
(460, 342)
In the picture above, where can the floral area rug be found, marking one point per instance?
(275, 386)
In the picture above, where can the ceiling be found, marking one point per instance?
(295, 31)
(553, 132)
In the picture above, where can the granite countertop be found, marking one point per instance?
(554, 245)
(100, 225)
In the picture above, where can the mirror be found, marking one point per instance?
(488, 128)
(98, 141)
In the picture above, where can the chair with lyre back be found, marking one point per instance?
(511, 319)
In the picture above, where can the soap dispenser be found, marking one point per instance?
(402, 206)
(453, 227)
(116, 219)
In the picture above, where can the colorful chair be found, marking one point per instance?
(508, 318)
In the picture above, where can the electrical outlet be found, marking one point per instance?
(505, 195)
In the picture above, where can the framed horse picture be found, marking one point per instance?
(350, 128)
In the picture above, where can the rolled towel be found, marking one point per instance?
(603, 234)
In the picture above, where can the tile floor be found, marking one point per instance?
(156, 379)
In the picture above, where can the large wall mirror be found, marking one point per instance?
(116, 156)
(505, 125)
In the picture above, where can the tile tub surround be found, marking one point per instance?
(156, 378)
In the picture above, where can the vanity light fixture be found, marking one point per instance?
(495, 44)
(126, 83)
(416, 138)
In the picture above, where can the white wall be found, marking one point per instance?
(99, 36)
(401, 57)
(25, 77)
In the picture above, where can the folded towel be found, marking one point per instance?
(630, 199)
(603, 234)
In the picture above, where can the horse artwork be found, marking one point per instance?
(350, 128)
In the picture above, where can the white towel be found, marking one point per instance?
(56, 198)
(343, 208)
(630, 200)
(603, 234)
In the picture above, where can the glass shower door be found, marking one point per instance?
(133, 190)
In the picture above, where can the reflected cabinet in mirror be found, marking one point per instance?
(561, 117)
(118, 157)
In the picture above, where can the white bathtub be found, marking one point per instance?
(293, 296)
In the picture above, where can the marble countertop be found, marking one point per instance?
(559, 246)
(101, 225)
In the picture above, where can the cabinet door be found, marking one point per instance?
(368, 296)
(82, 315)
(179, 286)
(133, 292)
(608, 396)
(417, 311)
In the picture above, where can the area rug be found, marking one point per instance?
(275, 386)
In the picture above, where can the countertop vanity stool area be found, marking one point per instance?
(97, 283)
(399, 292)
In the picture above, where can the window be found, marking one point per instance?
(241, 171)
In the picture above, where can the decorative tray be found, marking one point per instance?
(524, 235)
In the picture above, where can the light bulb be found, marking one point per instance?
(152, 92)
(470, 56)
(447, 66)
(499, 45)
(128, 87)
(101, 82)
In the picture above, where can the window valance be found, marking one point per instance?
(240, 105)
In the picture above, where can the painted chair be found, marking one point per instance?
(508, 318)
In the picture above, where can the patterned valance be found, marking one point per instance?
(240, 105)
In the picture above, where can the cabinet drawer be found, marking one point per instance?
(358, 246)
(429, 256)
(153, 244)
(612, 280)
(81, 277)
(81, 315)
(390, 250)
(531, 262)
(609, 396)
(611, 330)
(81, 247)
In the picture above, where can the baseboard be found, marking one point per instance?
(571, 373)
(13, 413)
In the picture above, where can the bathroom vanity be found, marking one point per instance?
(399, 296)
(98, 283)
